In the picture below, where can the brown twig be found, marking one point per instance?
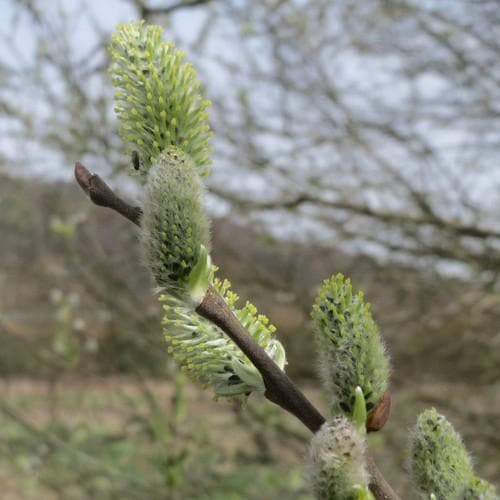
(279, 388)
(101, 194)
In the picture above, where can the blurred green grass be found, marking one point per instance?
(125, 438)
(122, 439)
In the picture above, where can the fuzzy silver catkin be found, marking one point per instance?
(174, 224)
(337, 464)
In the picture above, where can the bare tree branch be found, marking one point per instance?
(430, 219)
(147, 11)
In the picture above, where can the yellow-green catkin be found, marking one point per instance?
(207, 355)
(350, 350)
(158, 99)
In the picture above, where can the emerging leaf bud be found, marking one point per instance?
(351, 352)
(158, 98)
(337, 462)
(175, 230)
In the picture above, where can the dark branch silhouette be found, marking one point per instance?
(169, 9)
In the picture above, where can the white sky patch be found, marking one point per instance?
(371, 85)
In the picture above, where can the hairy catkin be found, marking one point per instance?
(350, 350)
(157, 98)
(207, 355)
(337, 465)
(174, 224)
(439, 462)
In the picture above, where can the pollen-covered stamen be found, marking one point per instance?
(157, 99)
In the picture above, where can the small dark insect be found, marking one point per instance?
(136, 161)
(233, 380)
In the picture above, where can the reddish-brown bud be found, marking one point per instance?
(379, 415)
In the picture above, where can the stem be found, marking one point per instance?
(279, 388)
(101, 194)
(380, 488)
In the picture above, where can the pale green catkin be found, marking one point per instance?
(157, 98)
(175, 229)
(439, 462)
(207, 355)
(479, 489)
(351, 352)
(337, 465)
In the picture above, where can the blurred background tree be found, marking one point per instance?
(351, 136)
